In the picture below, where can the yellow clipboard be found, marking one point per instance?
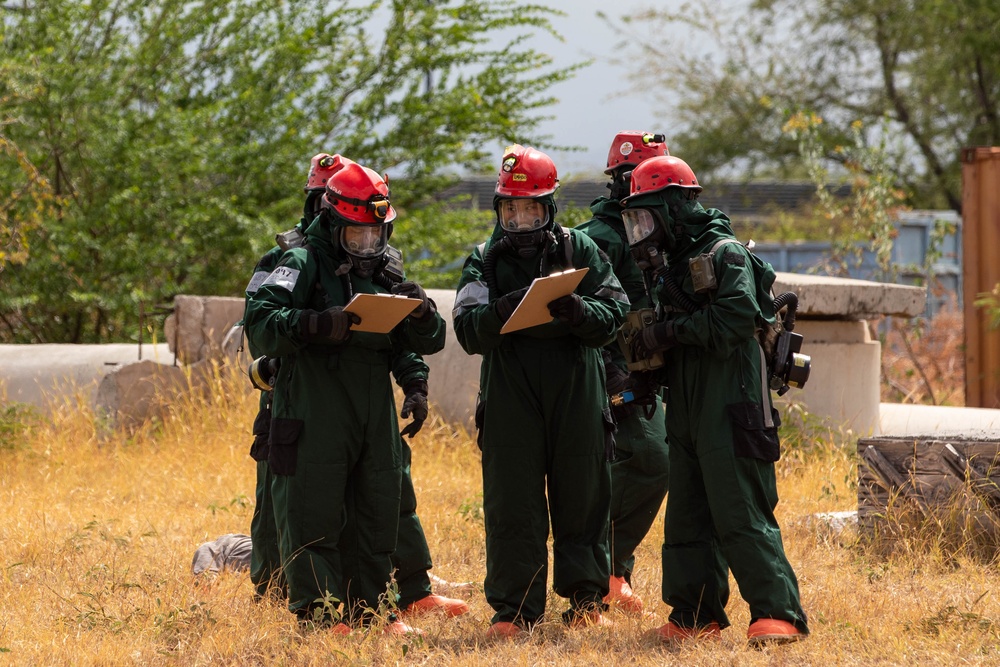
(534, 307)
(380, 313)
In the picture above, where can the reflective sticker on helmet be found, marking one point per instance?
(520, 177)
(282, 277)
(626, 148)
(256, 281)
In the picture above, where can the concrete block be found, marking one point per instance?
(849, 299)
(198, 325)
(135, 392)
(454, 375)
(843, 387)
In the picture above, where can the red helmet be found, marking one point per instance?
(357, 194)
(526, 172)
(630, 147)
(320, 170)
(662, 172)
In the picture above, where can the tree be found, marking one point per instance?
(27, 198)
(925, 72)
(174, 136)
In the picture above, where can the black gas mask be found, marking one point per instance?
(649, 236)
(619, 185)
(365, 247)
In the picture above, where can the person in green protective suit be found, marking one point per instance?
(545, 428)
(265, 558)
(639, 471)
(411, 561)
(335, 451)
(720, 421)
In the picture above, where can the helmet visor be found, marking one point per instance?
(365, 240)
(639, 224)
(522, 215)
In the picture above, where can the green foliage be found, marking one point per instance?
(437, 238)
(865, 221)
(930, 69)
(16, 420)
(174, 135)
(571, 216)
(990, 302)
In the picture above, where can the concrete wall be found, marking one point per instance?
(454, 375)
(43, 374)
(843, 387)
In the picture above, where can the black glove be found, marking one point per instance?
(644, 387)
(414, 291)
(652, 339)
(333, 325)
(506, 304)
(570, 309)
(415, 403)
(615, 378)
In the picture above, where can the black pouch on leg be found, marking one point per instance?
(261, 435)
(751, 438)
(282, 456)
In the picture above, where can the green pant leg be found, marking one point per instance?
(514, 502)
(639, 481)
(517, 527)
(310, 552)
(749, 536)
(579, 479)
(695, 575)
(265, 557)
(412, 559)
(372, 510)
(338, 512)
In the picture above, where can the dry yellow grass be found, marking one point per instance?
(97, 534)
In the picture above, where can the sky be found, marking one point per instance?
(600, 100)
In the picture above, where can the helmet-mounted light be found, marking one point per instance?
(377, 204)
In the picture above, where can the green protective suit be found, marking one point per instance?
(335, 452)
(641, 466)
(723, 437)
(410, 561)
(546, 429)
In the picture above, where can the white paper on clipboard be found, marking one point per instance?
(380, 313)
(534, 307)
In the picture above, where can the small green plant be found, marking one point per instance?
(990, 302)
(867, 219)
(16, 420)
(471, 509)
(951, 617)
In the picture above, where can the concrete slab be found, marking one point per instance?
(823, 297)
(897, 419)
(40, 374)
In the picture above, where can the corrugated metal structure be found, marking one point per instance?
(920, 236)
(981, 214)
